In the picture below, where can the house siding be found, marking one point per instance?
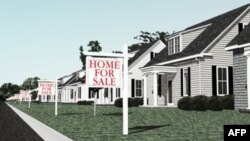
(240, 79)
(188, 37)
(220, 56)
(134, 69)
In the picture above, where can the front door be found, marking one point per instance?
(170, 97)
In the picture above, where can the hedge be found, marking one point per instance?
(228, 102)
(132, 102)
(200, 103)
(85, 102)
(203, 103)
(215, 103)
(185, 103)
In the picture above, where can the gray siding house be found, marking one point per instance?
(193, 62)
(240, 46)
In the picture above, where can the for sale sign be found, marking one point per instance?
(103, 72)
(46, 87)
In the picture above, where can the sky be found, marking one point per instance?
(42, 37)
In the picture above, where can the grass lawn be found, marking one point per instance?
(146, 124)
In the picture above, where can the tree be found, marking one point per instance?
(30, 83)
(147, 38)
(82, 58)
(8, 89)
(94, 46)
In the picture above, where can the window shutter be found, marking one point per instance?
(189, 81)
(132, 87)
(159, 85)
(151, 55)
(230, 80)
(214, 80)
(89, 93)
(98, 94)
(240, 27)
(181, 82)
(111, 92)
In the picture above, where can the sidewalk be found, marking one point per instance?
(45, 132)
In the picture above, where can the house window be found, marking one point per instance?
(174, 45)
(222, 80)
(152, 55)
(185, 82)
(106, 91)
(71, 93)
(138, 88)
(79, 92)
(118, 92)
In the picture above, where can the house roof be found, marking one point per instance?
(67, 82)
(242, 38)
(218, 25)
(140, 52)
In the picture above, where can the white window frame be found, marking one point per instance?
(217, 80)
(184, 82)
(138, 88)
(171, 45)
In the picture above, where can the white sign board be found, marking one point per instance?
(104, 72)
(46, 87)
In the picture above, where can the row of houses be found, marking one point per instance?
(208, 58)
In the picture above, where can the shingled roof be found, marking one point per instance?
(218, 25)
(242, 38)
(140, 52)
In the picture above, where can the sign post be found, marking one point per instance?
(107, 72)
(125, 91)
(56, 97)
(29, 95)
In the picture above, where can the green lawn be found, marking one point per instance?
(154, 124)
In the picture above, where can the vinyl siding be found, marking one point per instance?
(188, 37)
(240, 79)
(220, 56)
(135, 72)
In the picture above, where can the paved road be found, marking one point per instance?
(13, 128)
(44, 131)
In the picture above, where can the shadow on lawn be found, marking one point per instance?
(138, 129)
(114, 114)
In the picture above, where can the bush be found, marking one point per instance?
(215, 103)
(185, 103)
(118, 102)
(200, 103)
(85, 102)
(228, 102)
(36, 101)
(132, 102)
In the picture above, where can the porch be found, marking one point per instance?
(158, 86)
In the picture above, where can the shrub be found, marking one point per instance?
(132, 102)
(185, 103)
(85, 102)
(200, 103)
(228, 102)
(215, 103)
(118, 102)
(36, 101)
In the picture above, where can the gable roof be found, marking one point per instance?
(242, 38)
(218, 25)
(141, 51)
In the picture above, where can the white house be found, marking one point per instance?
(72, 88)
(240, 46)
(193, 62)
